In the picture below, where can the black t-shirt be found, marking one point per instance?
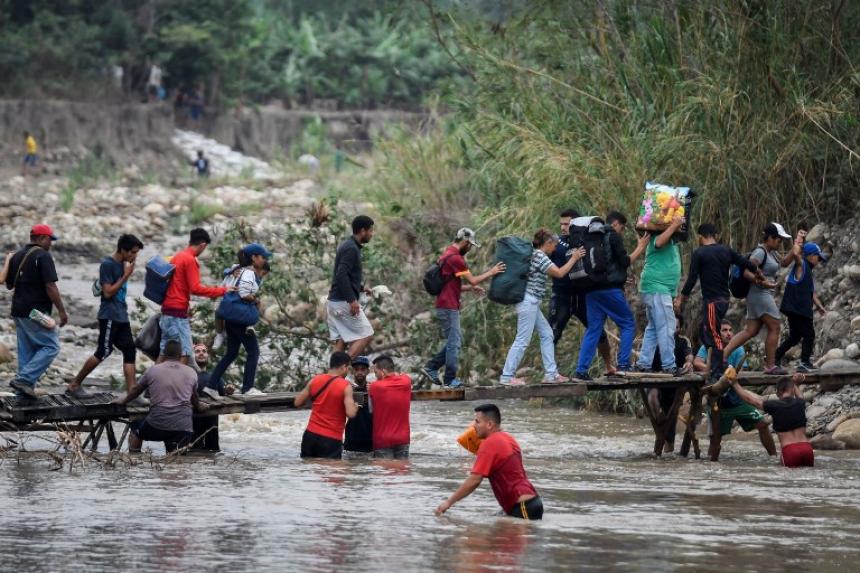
(710, 265)
(682, 350)
(30, 291)
(787, 413)
(358, 434)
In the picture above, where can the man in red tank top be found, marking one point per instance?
(390, 400)
(499, 459)
(330, 398)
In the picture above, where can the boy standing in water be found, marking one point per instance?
(797, 302)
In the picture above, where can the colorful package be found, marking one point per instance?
(660, 204)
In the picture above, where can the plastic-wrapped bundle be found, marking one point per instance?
(662, 203)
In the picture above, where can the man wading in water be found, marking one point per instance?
(500, 459)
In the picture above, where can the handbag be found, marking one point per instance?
(234, 309)
(149, 338)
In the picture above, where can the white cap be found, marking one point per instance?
(778, 229)
(467, 234)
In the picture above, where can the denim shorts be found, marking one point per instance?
(173, 328)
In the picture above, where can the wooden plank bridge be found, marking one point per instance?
(95, 413)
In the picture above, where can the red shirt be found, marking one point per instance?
(499, 458)
(453, 267)
(328, 414)
(185, 282)
(390, 398)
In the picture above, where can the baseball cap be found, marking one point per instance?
(42, 230)
(257, 249)
(814, 249)
(467, 234)
(361, 361)
(776, 230)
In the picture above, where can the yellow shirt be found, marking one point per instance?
(32, 148)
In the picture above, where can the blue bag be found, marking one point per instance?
(157, 279)
(234, 309)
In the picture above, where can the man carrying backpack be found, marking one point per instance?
(175, 323)
(712, 263)
(568, 299)
(453, 271)
(606, 298)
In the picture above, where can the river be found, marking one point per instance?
(609, 506)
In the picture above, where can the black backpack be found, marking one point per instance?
(589, 233)
(434, 282)
(738, 284)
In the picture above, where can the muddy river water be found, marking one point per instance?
(609, 506)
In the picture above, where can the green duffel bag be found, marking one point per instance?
(509, 287)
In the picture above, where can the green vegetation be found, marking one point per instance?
(359, 54)
(89, 170)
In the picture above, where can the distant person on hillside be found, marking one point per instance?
(798, 300)
(454, 271)
(499, 458)
(173, 394)
(567, 300)
(789, 419)
(348, 326)
(761, 300)
(712, 263)
(195, 104)
(390, 401)
(33, 278)
(201, 164)
(330, 398)
(359, 430)
(31, 151)
(175, 323)
(153, 83)
(114, 325)
(606, 299)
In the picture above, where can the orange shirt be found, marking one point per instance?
(390, 400)
(328, 414)
(185, 282)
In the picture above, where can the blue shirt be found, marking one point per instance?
(730, 399)
(115, 307)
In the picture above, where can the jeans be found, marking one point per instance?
(449, 320)
(37, 348)
(601, 304)
(174, 328)
(238, 335)
(529, 318)
(660, 332)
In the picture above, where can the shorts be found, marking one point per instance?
(798, 455)
(747, 416)
(30, 159)
(173, 439)
(316, 446)
(394, 452)
(173, 328)
(344, 326)
(531, 509)
(113, 334)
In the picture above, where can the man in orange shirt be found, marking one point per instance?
(500, 459)
(175, 323)
(331, 402)
(390, 400)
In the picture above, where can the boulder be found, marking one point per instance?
(852, 351)
(832, 354)
(826, 442)
(848, 432)
(818, 233)
(5, 354)
(852, 272)
(855, 323)
(154, 209)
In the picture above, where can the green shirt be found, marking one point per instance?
(662, 268)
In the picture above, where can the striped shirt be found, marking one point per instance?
(536, 285)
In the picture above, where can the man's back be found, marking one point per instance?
(347, 276)
(30, 292)
(711, 264)
(170, 386)
(391, 399)
(500, 459)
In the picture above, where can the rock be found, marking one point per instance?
(852, 271)
(839, 364)
(849, 433)
(852, 351)
(855, 323)
(818, 233)
(826, 442)
(5, 354)
(831, 427)
(832, 354)
(154, 209)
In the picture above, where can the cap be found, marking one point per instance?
(467, 234)
(361, 361)
(814, 249)
(257, 249)
(776, 230)
(42, 230)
